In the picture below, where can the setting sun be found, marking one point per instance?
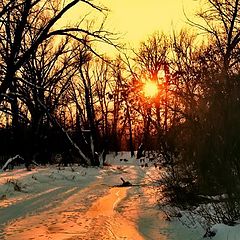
(100, 96)
(150, 89)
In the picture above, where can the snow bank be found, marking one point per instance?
(224, 232)
(42, 189)
(19, 184)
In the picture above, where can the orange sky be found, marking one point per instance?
(137, 19)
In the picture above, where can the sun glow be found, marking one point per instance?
(150, 89)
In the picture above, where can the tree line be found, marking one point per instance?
(58, 94)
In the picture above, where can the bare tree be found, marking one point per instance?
(26, 31)
(152, 60)
(221, 21)
(24, 26)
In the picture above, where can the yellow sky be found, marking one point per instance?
(137, 19)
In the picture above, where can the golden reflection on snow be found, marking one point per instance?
(5, 202)
(84, 215)
(100, 221)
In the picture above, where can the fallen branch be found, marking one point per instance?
(15, 158)
(10, 160)
(124, 184)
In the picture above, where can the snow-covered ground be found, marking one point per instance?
(81, 203)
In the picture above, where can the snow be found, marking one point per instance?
(226, 232)
(81, 203)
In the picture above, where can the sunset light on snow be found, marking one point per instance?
(119, 119)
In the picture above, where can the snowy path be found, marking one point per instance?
(81, 204)
(70, 211)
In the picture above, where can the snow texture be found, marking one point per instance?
(80, 203)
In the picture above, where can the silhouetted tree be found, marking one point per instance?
(26, 31)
